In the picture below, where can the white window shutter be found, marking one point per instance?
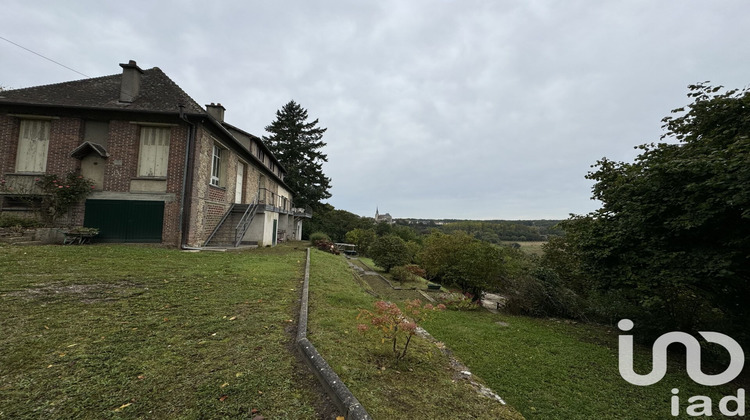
(33, 146)
(154, 152)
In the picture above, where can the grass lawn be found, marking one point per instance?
(116, 331)
(421, 386)
(551, 369)
(529, 247)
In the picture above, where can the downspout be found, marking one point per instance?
(187, 173)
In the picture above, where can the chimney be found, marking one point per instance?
(216, 111)
(131, 81)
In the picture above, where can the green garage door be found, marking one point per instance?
(125, 220)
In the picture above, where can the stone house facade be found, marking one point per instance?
(165, 169)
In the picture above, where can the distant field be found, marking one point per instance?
(530, 247)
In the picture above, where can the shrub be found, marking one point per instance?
(63, 194)
(402, 275)
(392, 325)
(540, 293)
(416, 270)
(317, 236)
(326, 246)
(465, 302)
(9, 220)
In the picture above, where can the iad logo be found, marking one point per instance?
(702, 404)
(693, 348)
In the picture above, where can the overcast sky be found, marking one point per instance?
(435, 109)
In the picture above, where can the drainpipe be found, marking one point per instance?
(187, 173)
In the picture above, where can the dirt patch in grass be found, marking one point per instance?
(84, 293)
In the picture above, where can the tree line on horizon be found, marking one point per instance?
(336, 223)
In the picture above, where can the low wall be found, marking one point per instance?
(335, 388)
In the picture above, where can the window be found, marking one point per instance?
(33, 144)
(218, 165)
(22, 203)
(154, 152)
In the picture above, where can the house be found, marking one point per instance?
(165, 169)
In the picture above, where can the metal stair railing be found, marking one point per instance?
(244, 223)
(218, 225)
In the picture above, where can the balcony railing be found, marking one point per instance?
(281, 204)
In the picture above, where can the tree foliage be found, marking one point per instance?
(459, 259)
(531, 288)
(335, 223)
(671, 243)
(389, 251)
(297, 144)
(362, 238)
(496, 231)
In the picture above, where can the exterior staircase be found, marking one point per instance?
(230, 230)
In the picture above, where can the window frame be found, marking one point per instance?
(219, 161)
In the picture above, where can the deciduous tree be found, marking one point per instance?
(458, 259)
(389, 251)
(362, 238)
(672, 238)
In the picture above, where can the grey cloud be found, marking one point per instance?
(449, 109)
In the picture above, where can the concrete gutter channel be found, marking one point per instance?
(335, 388)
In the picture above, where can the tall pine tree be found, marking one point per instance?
(297, 144)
